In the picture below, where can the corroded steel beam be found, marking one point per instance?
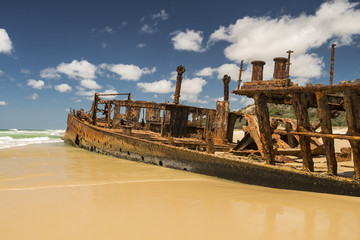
(240, 72)
(352, 107)
(221, 122)
(324, 115)
(262, 114)
(96, 97)
(226, 80)
(332, 63)
(116, 94)
(320, 135)
(288, 67)
(180, 70)
(301, 112)
(284, 91)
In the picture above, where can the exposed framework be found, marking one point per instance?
(212, 129)
(326, 98)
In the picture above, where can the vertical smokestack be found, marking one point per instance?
(280, 68)
(180, 70)
(332, 63)
(226, 79)
(257, 71)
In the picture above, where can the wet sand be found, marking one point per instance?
(60, 192)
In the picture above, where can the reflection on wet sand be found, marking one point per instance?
(75, 194)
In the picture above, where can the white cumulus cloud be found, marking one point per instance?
(36, 84)
(85, 92)
(245, 101)
(150, 23)
(89, 83)
(63, 88)
(86, 72)
(107, 29)
(191, 88)
(149, 28)
(25, 71)
(128, 71)
(3, 103)
(263, 38)
(34, 96)
(190, 40)
(162, 15)
(140, 45)
(162, 86)
(89, 93)
(49, 73)
(77, 69)
(111, 90)
(230, 69)
(5, 42)
(205, 72)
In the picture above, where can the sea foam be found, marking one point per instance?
(17, 138)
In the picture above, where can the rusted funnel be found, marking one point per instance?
(257, 71)
(280, 68)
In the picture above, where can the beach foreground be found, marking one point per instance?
(53, 191)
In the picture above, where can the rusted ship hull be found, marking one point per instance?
(101, 140)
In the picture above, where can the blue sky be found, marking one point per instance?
(55, 54)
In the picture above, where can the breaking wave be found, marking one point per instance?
(17, 138)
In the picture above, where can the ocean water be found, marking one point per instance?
(22, 137)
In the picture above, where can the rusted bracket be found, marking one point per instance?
(288, 68)
(240, 72)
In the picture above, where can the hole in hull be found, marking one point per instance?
(77, 140)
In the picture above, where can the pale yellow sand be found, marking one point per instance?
(56, 192)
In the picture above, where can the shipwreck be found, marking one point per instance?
(274, 152)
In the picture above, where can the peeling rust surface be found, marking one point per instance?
(328, 99)
(180, 70)
(112, 142)
(226, 80)
(185, 137)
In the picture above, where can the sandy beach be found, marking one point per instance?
(53, 191)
